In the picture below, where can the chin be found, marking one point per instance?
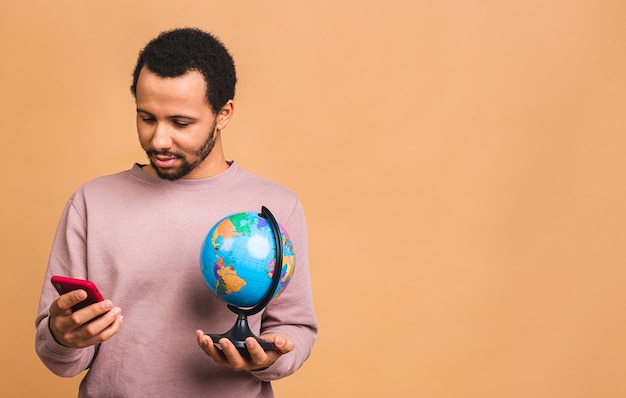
(171, 175)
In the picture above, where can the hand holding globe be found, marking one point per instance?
(247, 260)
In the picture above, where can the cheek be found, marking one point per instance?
(143, 130)
(189, 139)
(143, 138)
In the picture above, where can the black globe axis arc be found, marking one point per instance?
(241, 330)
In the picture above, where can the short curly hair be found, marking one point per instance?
(175, 52)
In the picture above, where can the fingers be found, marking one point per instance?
(229, 355)
(206, 343)
(64, 302)
(91, 325)
(283, 345)
(259, 358)
(96, 329)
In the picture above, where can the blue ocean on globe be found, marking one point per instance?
(238, 256)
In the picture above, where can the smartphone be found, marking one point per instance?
(64, 284)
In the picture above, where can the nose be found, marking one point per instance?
(161, 139)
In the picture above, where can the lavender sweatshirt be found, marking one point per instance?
(138, 237)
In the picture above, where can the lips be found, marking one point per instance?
(163, 162)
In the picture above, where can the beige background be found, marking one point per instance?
(461, 165)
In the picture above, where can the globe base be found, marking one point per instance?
(238, 335)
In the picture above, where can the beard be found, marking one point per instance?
(186, 166)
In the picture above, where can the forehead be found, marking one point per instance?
(188, 90)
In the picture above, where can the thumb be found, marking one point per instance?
(283, 345)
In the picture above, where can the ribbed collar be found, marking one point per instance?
(186, 184)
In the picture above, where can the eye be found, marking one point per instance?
(147, 119)
(180, 123)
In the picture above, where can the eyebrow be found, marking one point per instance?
(139, 110)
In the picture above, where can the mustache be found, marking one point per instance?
(153, 152)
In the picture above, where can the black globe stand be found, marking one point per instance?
(241, 331)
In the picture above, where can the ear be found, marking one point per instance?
(225, 114)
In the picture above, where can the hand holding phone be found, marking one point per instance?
(65, 284)
(90, 328)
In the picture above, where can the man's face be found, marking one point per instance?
(176, 126)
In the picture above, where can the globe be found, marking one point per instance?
(238, 259)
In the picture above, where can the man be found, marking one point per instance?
(137, 235)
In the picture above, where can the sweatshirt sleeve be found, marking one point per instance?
(67, 257)
(292, 314)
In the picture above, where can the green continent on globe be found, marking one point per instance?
(228, 281)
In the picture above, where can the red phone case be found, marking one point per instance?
(65, 284)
